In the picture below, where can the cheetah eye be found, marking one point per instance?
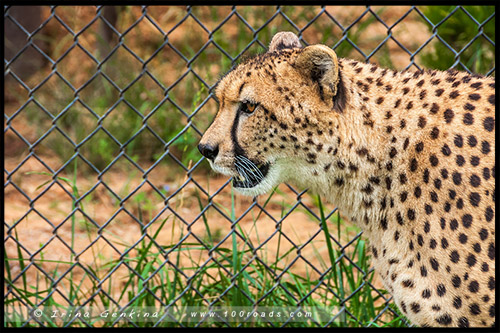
(248, 107)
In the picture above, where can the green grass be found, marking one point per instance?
(230, 280)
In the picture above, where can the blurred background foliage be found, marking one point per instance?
(460, 31)
(145, 90)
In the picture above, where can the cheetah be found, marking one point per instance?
(407, 156)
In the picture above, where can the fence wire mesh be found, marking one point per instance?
(108, 203)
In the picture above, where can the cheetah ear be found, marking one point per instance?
(319, 62)
(284, 40)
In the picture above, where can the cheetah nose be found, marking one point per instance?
(208, 151)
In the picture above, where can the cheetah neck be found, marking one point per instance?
(364, 181)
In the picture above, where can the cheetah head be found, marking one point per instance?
(267, 105)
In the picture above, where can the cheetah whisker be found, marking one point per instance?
(251, 167)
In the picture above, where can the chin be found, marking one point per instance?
(257, 190)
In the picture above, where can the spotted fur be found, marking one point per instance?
(407, 156)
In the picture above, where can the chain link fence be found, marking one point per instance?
(109, 205)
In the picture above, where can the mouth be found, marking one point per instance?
(250, 174)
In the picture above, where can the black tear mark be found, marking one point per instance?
(237, 149)
(241, 88)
